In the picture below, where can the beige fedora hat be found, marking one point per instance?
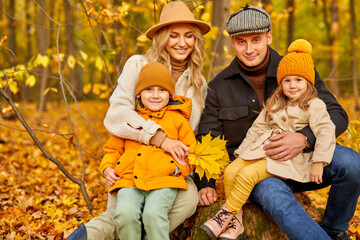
(176, 12)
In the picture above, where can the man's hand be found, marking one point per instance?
(207, 196)
(176, 148)
(110, 176)
(316, 172)
(285, 146)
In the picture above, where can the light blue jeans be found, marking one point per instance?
(277, 199)
(152, 207)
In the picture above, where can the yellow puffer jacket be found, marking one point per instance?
(149, 167)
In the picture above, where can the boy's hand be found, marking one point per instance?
(176, 148)
(110, 176)
(316, 172)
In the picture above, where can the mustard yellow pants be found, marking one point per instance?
(240, 177)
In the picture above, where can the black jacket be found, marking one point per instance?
(232, 106)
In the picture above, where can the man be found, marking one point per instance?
(234, 100)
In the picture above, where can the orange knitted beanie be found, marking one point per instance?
(298, 62)
(154, 74)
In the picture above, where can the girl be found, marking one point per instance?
(293, 106)
(178, 43)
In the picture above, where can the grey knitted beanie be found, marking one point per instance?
(248, 20)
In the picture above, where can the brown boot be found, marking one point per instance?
(215, 225)
(235, 230)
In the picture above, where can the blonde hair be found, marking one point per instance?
(279, 101)
(158, 53)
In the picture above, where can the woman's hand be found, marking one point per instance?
(176, 148)
(110, 176)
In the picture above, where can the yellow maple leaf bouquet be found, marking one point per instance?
(209, 156)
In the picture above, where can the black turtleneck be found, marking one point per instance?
(257, 75)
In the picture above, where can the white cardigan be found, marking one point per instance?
(121, 118)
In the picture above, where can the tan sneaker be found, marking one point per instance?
(215, 225)
(235, 230)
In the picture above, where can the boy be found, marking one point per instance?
(146, 178)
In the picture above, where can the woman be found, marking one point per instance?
(178, 43)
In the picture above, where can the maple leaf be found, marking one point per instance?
(209, 156)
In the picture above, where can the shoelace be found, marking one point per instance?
(232, 223)
(218, 217)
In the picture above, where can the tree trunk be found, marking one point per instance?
(1, 4)
(334, 43)
(74, 79)
(221, 46)
(28, 92)
(328, 34)
(290, 31)
(12, 35)
(43, 45)
(353, 36)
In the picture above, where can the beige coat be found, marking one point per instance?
(297, 168)
(121, 118)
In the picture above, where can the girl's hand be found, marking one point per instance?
(176, 148)
(316, 172)
(110, 176)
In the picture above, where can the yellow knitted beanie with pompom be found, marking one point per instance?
(297, 62)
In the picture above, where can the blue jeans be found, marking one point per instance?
(277, 199)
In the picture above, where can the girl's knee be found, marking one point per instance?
(230, 174)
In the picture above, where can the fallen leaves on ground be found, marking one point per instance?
(36, 200)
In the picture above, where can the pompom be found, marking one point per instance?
(300, 46)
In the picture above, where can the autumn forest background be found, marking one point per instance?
(59, 62)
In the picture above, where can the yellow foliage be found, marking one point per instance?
(43, 60)
(87, 88)
(206, 17)
(8, 109)
(123, 9)
(101, 90)
(142, 38)
(50, 89)
(99, 63)
(71, 61)
(351, 137)
(83, 55)
(209, 156)
(213, 33)
(13, 86)
(30, 81)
